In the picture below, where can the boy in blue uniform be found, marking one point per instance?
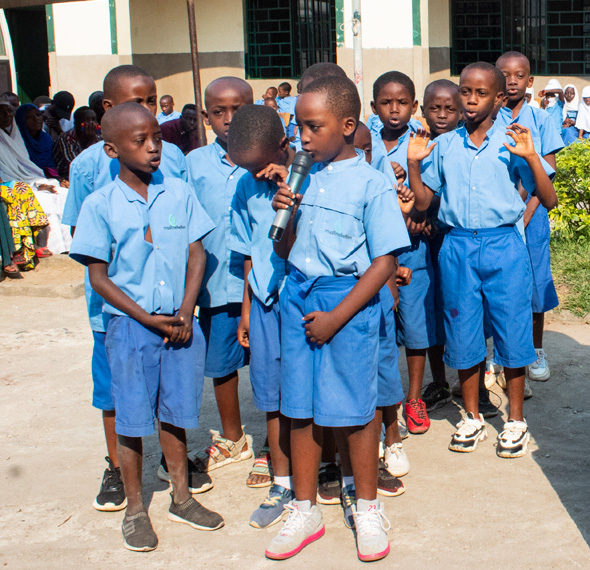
(516, 68)
(89, 171)
(340, 244)
(486, 267)
(257, 142)
(394, 100)
(140, 237)
(213, 177)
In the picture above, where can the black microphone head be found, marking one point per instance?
(302, 162)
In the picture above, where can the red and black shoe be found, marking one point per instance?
(417, 418)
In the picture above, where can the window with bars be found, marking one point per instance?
(285, 37)
(553, 34)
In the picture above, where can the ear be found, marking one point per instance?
(499, 98)
(422, 109)
(111, 150)
(205, 116)
(284, 144)
(349, 126)
(107, 104)
(415, 107)
(531, 81)
(374, 108)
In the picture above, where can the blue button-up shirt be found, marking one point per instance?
(93, 169)
(251, 218)
(112, 226)
(161, 118)
(214, 181)
(287, 104)
(478, 187)
(348, 216)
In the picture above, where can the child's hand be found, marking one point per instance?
(182, 332)
(284, 198)
(320, 327)
(398, 170)
(405, 199)
(275, 172)
(164, 325)
(523, 146)
(244, 331)
(414, 227)
(403, 276)
(418, 148)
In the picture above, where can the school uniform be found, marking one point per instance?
(415, 317)
(485, 263)
(213, 179)
(91, 170)
(546, 141)
(556, 115)
(162, 118)
(347, 217)
(374, 124)
(150, 379)
(251, 218)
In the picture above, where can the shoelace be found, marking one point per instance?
(295, 521)
(111, 478)
(272, 501)
(418, 409)
(466, 423)
(370, 522)
(513, 430)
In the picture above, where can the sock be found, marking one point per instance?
(347, 481)
(362, 505)
(324, 464)
(285, 482)
(303, 506)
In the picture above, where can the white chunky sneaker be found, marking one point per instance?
(371, 526)
(539, 370)
(396, 459)
(528, 391)
(470, 431)
(514, 440)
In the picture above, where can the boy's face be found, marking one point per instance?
(222, 104)
(442, 110)
(272, 103)
(138, 145)
(254, 160)
(138, 89)
(189, 121)
(394, 105)
(569, 94)
(479, 95)
(323, 134)
(364, 142)
(518, 77)
(283, 92)
(167, 105)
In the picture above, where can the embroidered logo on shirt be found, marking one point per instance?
(172, 222)
(337, 231)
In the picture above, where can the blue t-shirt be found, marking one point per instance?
(251, 218)
(348, 216)
(112, 226)
(161, 118)
(213, 179)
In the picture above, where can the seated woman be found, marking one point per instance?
(70, 144)
(26, 191)
(7, 247)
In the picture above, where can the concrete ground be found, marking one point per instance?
(459, 510)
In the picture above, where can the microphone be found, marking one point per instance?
(300, 168)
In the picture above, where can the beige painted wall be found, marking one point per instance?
(439, 23)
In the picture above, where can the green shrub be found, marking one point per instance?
(571, 218)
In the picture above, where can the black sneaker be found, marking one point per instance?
(486, 408)
(112, 492)
(198, 481)
(435, 396)
(138, 533)
(329, 485)
(387, 484)
(195, 515)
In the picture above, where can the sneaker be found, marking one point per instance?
(456, 390)
(514, 439)
(223, 451)
(194, 514)
(329, 485)
(138, 533)
(416, 417)
(403, 428)
(198, 481)
(396, 460)
(272, 509)
(486, 408)
(539, 370)
(470, 431)
(112, 492)
(301, 528)
(491, 374)
(348, 495)
(501, 379)
(371, 532)
(435, 396)
(387, 484)
(528, 392)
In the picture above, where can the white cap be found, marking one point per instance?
(586, 92)
(552, 84)
(530, 91)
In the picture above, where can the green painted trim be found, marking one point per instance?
(339, 23)
(113, 17)
(50, 28)
(416, 23)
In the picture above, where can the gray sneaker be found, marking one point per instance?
(196, 515)
(138, 533)
(371, 531)
(303, 526)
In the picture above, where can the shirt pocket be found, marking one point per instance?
(340, 225)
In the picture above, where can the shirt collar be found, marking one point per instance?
(155, 188)
(342, 165)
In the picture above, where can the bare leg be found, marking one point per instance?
(130, 454)
(416, 364)
(515, 389)
(538, 327)
(228, 404)
(437, 366)
(342, 445)
(392, 434)
(108, 422)
(469, 379)
(173, 442)
(329, 446)
(278, 428)
(306, 452)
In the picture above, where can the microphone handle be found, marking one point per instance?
(279, 224)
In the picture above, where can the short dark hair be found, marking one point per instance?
(341, 94)
(317, 70)
(499, 78)
(189, 107)
(255, 126)
(116, 119)
(439, 84)
(514, 55)
(167, 97)
(9, 94)
(114, 76)
(393, 77)
(285, 87)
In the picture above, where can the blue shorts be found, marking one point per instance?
(152, 380)
(336, 383)
(487, 276)
(220, 327)
(265, 355)
(389, 390)
(537, 241)
(101, 374)
(416, 324)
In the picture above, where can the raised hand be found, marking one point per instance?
(418, 148)
(523, 140)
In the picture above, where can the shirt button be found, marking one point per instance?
(307, 260)
(311, 222)
(229, 208)
(476, 158)
(231, 176)
(330, 167)
(473, 187)
(162, 283)
(321, 189)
